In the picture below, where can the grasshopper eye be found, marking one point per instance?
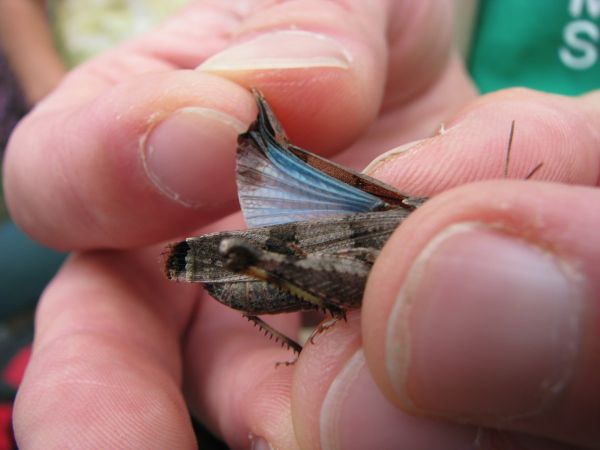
(238, 254)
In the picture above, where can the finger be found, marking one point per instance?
(324, 65)
(110, 171)
(484, 310)
(130, 167)
(413, 119)
(337, 404)
(555, 131)
(231, 381)
(106, 360)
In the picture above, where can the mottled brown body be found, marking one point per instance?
(319, 263)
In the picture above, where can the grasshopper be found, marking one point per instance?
(316, 229)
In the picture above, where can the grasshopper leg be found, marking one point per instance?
(279, 337)
(337, 316)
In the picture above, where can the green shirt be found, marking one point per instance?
(548, 45)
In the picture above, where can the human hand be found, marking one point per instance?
(122, 167)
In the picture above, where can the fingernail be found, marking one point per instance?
(356, 415)
(286, 49)
(188, 151)
(407, 149)
(259, 443)
(486, 325)
(391, 154)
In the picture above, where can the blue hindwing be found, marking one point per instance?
(275, 187)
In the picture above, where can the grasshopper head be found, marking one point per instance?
(238, 254)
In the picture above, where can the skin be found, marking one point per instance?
(118, 346)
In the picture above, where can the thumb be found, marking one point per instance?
(480, 307)
(486, 315)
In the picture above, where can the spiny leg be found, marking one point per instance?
(279, 337)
